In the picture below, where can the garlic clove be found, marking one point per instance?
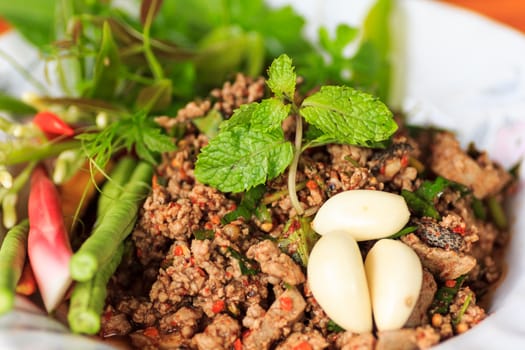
(395, 275)
(336, 277)
(364, 214)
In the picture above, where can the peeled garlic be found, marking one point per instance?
(364, 214)
(336, 277)
(394, 276)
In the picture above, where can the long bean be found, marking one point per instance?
(88, 298)
(117, 224)
(12, 258)
(112, 188)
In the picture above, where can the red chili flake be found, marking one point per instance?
(382, 170)
(178, 251)
(294, 226)
(218, 306)
(151, 332)
(303, 346)
(311, 185)
(404, 160)
(459, 230)
(286, 303)
(208, 225)
(154, 182)
(215, 219)
(450, 283)
(139, 252)
(237, 344)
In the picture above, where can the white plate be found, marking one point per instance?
(456, 70)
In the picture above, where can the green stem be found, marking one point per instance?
(292, 172)
(11, 156)
(497, 213)
(154, 64)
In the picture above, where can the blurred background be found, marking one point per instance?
(509, 12)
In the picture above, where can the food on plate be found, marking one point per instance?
(290, 208)
(216, 267)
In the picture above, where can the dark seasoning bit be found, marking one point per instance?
(197, 281)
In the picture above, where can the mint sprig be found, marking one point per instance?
(251, 148)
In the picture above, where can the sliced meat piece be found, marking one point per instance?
(447, 264)
(283, 313)
(276, 263)
(220, 334)
(407, 339)
(355, 341)
(309, 340)
(451, 162)
(419, 315)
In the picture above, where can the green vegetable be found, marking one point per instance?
(444, 297)
(12, 259)
(250, 148)
(88, 298)
(248, 205)
(247, 266)
(113, 187)
(497, 213)
(117, 223)
(298, 239)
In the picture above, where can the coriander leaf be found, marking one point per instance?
(239, 159)
(263, 116)
(281, 77)
(349, 116)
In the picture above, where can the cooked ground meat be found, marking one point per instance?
(199, 280)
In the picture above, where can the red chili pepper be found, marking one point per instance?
(48, 246)
(237, 344)
(303, 346)
(311, 185)
(178, 250)
(151, 332)
(218, 306)
(286, 303)
(450, 283)
(52, 125)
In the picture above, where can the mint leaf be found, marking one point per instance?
(267, 115)
(349, 116)
(239, 159)
(281, 77)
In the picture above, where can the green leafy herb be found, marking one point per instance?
(404, 231)
(251, 149)
(248, 205)
(201, 235)
(247, 266)
(136, 131)
(334, 327)
(444, 297)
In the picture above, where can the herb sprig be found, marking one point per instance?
(251, 147)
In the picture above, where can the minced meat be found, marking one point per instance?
(198, 281)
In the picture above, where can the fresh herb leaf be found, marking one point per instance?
(349, 116)
(265, 116)
(247, 266)
(201, 235)
(420, 206)
(298, 239)
(282, 78)
(248, 205)
(404, 231)
(239, 159)
(444, 297)
(334, 327)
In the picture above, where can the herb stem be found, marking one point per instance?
(154, 64)
(35, 152)
(292, 172)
